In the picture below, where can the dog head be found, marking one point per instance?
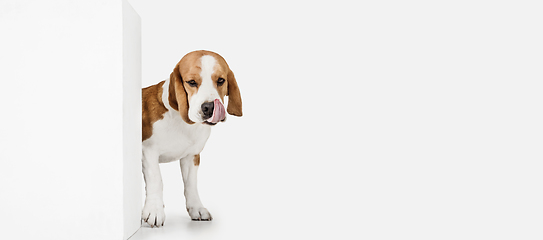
(198, 85)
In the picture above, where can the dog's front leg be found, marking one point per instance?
(195, 208)
(153, 211)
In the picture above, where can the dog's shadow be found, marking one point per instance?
(199, 226)
(183, 222)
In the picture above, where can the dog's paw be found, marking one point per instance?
(153, 214)
(199, 214)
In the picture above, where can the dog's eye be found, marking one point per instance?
(192, 83)
(220, 82)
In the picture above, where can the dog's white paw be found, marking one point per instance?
(199, 214)
(153, 214)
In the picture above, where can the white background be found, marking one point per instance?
(362, 120)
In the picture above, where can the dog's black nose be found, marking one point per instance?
(207, 109)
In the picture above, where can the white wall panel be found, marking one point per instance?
(64, 128)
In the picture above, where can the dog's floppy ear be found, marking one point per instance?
(177, 96)
(234, 96)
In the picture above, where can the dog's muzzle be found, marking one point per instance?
(213, 112)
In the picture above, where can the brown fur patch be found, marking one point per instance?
(197, 160)
(152, 108)
(189, 68)
(178, 96)
(234, 96)
(171, 95)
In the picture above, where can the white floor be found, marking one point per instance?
(178, 226)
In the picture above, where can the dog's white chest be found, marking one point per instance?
(173, 139)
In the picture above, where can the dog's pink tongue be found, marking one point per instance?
(218, 112)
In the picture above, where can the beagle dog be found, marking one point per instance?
(177, 116)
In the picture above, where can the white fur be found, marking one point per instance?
(165, 89)
(173, 139)
(194, 206)
(206, 92)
